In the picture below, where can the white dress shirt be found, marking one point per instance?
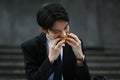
(61, 54)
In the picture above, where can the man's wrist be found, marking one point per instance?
(80, 59)
(50, 60)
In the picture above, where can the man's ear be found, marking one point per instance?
(43, 30)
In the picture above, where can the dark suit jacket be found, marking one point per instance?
(38, 67)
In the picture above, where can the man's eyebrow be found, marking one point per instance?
(52, 29)
(66, 25)
(60, 30)
(55, 30)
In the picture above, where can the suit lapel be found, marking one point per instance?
(42, 48)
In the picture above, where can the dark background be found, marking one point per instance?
(97, 22)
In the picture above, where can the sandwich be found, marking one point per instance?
(65, 38)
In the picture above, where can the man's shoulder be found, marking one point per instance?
(30, 42)
(35, 41)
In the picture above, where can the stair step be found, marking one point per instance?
(11, 67)
(11, 79)
(105, 72)
(108, 74)
(103, 59)
(10, 76)
(103, 51)
(89, 58)
(104, 62)
(104, 65)
(12, 71)
(114, 79)
(104, 68)
(11, 58)
(90, 64)
(11, 64)
(12, 51)
(106, 53)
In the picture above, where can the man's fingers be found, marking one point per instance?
(74, 37)
(59, 45)
(55, 41)
(71, 41)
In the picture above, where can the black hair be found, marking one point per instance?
(49, 13)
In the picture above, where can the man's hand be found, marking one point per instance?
(54, 49)
(75, 43)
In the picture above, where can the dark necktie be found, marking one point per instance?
(58, 69)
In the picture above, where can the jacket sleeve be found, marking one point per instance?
(82, 71)
(35, 70)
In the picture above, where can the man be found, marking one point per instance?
(56, 54)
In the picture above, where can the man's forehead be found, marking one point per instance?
(60, 26)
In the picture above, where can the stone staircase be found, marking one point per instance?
(11, 64)
(100, 62)
(104, 63)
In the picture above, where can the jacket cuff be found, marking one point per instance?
(46, 66)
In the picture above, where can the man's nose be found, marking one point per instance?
(63, 34)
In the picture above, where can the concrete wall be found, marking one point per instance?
(97, 22)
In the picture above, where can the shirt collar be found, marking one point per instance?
(48, 40)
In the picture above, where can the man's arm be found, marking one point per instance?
(82, 72)
(35, 70)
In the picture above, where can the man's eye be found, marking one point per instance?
(55, 32)
(66, 28)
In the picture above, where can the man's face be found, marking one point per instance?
(59, 30)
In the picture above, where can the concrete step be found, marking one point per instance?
(11, 51)
(109, 74)
(106, 63)
(87, 52)
(11, 58)
(88, 58)
(102, 53)
(114, 79)
(11, 79)
(12, 72)
(103, 58)
(90, 64)
(95, 64)
(11, 67)
(11, 64)
(10, 76)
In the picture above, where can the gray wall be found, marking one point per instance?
(97, 22)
